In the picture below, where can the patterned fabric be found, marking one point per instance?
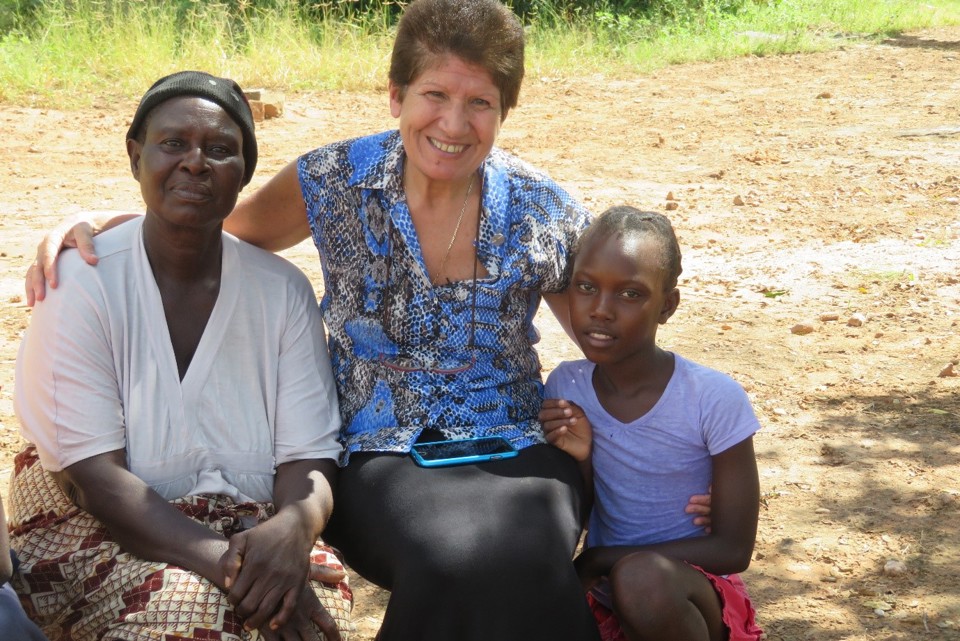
(379, 305)
(76, 583)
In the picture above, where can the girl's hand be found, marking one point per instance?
(566, 427)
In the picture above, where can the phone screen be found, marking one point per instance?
(481, 448)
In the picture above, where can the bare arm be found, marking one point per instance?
(6, 565)
(142, 521)
(559, 306)
(275, 216)
(728, 548)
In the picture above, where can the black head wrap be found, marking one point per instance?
(223, 91)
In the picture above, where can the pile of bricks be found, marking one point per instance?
(264, 104)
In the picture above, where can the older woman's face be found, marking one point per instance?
(449, 119)
(190, 164)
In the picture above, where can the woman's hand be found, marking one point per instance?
(308, 612)
(701, 506)
(74, 232)
(566, 427)
(266, 568)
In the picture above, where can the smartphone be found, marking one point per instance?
(463, 451)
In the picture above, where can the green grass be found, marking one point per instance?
(79, 52)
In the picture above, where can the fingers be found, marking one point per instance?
(325, 622)
(556, 435)
(695, 508)
(556, 413)
(33, 286)
(232, 560)
(81, 237)
(287, 606)
(43, 271)
(256, 609)
(326, 574)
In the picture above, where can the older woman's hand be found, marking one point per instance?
(266, 568)
(307, 613)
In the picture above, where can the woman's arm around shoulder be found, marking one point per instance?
(76, 231)
(274, 217)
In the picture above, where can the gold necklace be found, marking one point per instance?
(456, 230)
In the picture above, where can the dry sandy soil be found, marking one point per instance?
(819, 191)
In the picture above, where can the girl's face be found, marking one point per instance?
(449, 119)
(617, 297)
(190, 165)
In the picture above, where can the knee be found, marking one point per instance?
(642, 577)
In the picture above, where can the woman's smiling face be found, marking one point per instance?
(449, 119)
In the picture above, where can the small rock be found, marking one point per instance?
(826, 318)
(823, 95)
(671, 205)
(952, 200)
(857, 320)
(894, 567)
(801, 329)
(948, 371)
(822, 510)
(670, 196)
(946, 499)
(738, 201)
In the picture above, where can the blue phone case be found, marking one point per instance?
(462, 451)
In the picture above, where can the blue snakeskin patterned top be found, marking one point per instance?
(408, 355)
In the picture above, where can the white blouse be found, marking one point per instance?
(97, 373)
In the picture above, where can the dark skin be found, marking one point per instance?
(619, 297)
(190, 167)
(6, 565)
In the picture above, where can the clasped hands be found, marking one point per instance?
(267, 578)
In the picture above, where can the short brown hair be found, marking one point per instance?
(480, 32)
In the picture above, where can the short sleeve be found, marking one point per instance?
(544, 222)
(66, 392)
(728, 416)
(308, 416)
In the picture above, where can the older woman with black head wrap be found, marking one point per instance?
(180, 402)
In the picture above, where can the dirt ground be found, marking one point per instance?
(816, 198)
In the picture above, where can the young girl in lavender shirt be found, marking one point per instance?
(649, 429)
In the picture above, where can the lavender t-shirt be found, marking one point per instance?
(646, 470)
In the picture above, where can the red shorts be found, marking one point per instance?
(738, 614)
